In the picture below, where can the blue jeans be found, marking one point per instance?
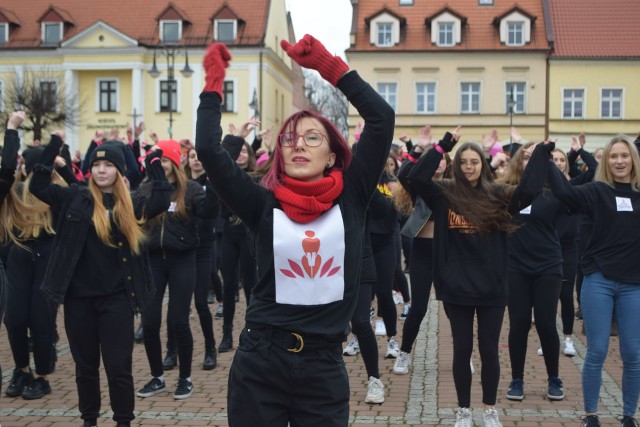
(599, 297)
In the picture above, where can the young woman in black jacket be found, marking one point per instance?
(472, 221)
(308, 219)
(99, 269)
(173, 240)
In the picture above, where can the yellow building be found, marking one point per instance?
(594, 70)
(102, 52)
(455, 62)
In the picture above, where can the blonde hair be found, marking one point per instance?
(123, 215)
(603, 173)
(25, 217)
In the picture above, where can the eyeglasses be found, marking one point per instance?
(311, 139)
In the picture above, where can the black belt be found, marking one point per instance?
(295, 342)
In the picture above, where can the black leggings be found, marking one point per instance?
(541, 294)
(569, 268)
(384, 254)
(216, 282)
(400, 283)
(236, 248)
(204, 254)
(178, 270)
(361, 328)
(489, 326)
(28, 309)
(421, 275)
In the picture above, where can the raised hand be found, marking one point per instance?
(215, 62)
(15, 120)
(447, 143)
(310, 53)
(425, 138)
(575, 143)
(98, 136)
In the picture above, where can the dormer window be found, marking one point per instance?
(4, 32)
(515, 27)
(170, 31)
(225, 30)
(52, 32)
(445, 34)
(515, 33)
(385, 36)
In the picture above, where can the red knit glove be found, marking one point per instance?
(310, 53)
(215, 61)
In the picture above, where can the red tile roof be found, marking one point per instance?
(596, 29)
(479, 33)
(136, 19)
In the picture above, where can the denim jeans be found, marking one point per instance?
(599, 297)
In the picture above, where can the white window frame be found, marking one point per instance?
(621, 100)
(515, 25)
(470, 96)
(388, 94)
(170, 21)
(40, 81)
(485, 2)
(235, 95)
(98, 100)
(4, 30)
(446, 17)
(516, 95)
(389, 39)
(426, 96)
(441, 27)
(584, 103)
(43, 27)
(216, 23)
(515, 17)
(406, 3)
(178, 95)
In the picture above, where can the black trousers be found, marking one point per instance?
(204, 254)
(102, 326)
(540, 294)
(400, 283)
(421, 275)
(178, 270)
(236, 250)
(384, 254)
(489, 326)
(28, 309)
(216, 282)
(361, 328)
(272, 387)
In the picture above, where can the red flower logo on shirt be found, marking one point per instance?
(311, 260)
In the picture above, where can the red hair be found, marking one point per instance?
(337, 145)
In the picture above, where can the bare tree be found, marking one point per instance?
(327, 100)
(41, 94)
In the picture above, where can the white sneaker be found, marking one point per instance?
(569, 349)
(405, 311)
(473, 370)
(464, 418)
(393, 350)
(381, 331)
(401, 365)
(490, 418)
(540, 352)
(375, 391)
(352, 348)
(397, 298)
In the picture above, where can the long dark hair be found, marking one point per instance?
(485, 205)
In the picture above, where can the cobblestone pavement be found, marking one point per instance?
(425, 397)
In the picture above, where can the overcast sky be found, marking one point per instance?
(327, 20)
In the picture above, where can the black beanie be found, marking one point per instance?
(31, 158)
(112, 151)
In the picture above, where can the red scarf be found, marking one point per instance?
(305, 201)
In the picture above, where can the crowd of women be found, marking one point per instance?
(314, 229)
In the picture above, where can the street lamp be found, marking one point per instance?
(511, 103)
(170, 52)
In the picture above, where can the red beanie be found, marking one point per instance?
(171, 150)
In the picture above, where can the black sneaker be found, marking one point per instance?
(38, 388)
(152, 388)
(516, 390)
(19, 381)
(579, 313)
(590, 421)
(170, 361)
(184, 389)
(626, 421)
(210, 359)
(90, 423)
(555, 390)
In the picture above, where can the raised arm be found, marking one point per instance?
(41, 186)
(158, 197)
(533, 177)
(10, 153)
(570, 195)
